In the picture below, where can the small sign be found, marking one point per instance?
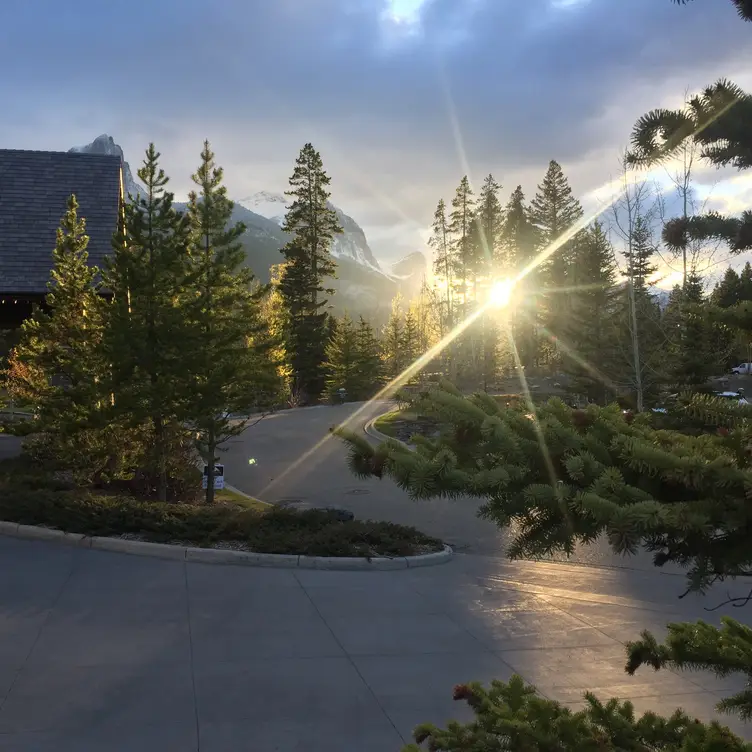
(219, 477)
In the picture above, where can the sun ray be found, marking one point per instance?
(391, 388)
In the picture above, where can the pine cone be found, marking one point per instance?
(462, 692)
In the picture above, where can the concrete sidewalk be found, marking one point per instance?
(106, 651)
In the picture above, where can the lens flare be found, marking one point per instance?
(500, 294)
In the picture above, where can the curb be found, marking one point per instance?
(221, 555)
(374, 432)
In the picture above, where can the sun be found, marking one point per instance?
(500, 293)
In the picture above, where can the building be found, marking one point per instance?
(34, 191)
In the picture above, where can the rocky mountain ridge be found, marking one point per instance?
(362, 285)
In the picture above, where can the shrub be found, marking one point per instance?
(30, 497)
(511, 716)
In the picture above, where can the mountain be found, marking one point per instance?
(105, 144)
(413, 266)
(351, 244)
(362, 286)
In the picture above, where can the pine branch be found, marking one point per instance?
(724, 651)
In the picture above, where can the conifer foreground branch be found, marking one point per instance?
(558, 477)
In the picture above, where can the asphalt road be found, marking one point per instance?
(294, 457)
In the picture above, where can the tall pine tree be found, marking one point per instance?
(461, 222)
(232, 369)
(313, 223)
(392, 341)
(147, 327)
(590, 355)
(553, 211)
(443, 269)
(342, 359)
(369, 365)
(693, 348)
(58, 366)
(517, 246)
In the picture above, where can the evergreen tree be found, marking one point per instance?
(463, 250)
(745, 283)
(693, 353)
(517, 244)
(727, 292)
(566, 477)
(410, 335)
(342, 358)
(639, 255)
(147, 330)
(232, 370)
(640, 339)
(553, 212)
(512, 717)
(313, 223)
(488, 261)
(443, 263)
(274, 313)
(368, 357)
(392, 342)
(58, 366)
(591, 359)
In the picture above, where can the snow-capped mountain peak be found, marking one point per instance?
(268, 204)
(351, 244)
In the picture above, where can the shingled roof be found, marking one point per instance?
(34, 190)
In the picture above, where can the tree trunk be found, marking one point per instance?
(211, 447)
(161, 456)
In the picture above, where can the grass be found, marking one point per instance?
(385, 423)
(241, 500)
(30, 496)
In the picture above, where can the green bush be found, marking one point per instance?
(512, 717)
(31, 497)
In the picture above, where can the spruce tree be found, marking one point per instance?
(443, 269)
(392, 341)
(464, 251)
(512, 717)
(342, 359)
(368, 373)
(553, 211)
(639, 255)
(488, 261)
(312, 223)
(734, 288)
(560, 477)
(410, 349)
(517, 246)
(693, 352)
(745, 282)
(58, 366)
(590, 358)
(147, 330)
(232, 370)
(640, 339)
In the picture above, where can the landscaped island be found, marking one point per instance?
(30, 495)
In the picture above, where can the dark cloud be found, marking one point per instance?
(526, 83)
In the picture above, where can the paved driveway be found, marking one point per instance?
(102, 651)
(295, 457)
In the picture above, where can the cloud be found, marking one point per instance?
(375, 85)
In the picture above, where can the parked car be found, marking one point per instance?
(737, 396)
(742, 368)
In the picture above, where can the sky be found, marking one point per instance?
(401, 97)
